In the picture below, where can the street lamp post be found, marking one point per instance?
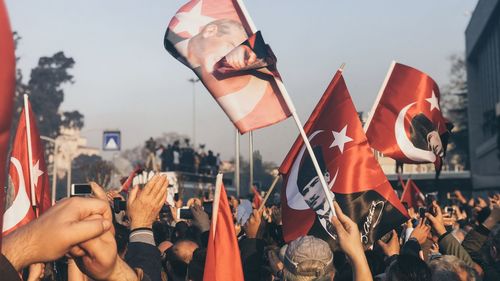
(194, 81)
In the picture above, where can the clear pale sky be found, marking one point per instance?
(124, 78)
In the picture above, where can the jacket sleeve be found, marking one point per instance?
(142, 253)
(449, 245)
(7, 271)
(475, 240)
(252, 258)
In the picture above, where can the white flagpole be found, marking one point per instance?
(30, 152)
(237, 163)
(250, 159)
(269, 192)
(379, 96)
(215, 205)
(293, 111)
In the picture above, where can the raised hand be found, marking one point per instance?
(143, 206)
(392, 247)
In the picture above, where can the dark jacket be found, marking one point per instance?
(252, 258)
(7, 271)
(146, 257)
(475, 244)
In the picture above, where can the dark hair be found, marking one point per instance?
(197, 265)
(408, 268)
(162, 232)
(306, 171)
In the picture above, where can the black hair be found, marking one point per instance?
(306, 171)
(408, 268)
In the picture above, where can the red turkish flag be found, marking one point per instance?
(7, 88)
(223, 261)
(21, 212)
(351, 171)
(406, 123)
(412, 195)
(217, 41)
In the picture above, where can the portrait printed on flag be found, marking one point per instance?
(213, 38)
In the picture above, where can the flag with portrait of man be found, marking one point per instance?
(351, 171)
(216, 40)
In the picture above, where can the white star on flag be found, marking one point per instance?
(191, 21)
(340, 139)
(36, 172)
(433, 101)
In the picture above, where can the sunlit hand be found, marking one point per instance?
(143, 206)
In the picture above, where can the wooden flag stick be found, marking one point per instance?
(269, 192)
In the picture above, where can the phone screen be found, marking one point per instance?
(80, 189)
(185, 214)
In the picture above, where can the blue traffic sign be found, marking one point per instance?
(111, 141)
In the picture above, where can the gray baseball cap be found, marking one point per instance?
(308, 256)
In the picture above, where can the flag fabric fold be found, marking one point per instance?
(406, 122)
(7, 89)
(215, 40)
(20, 211)
(223, 261)
(350, 169)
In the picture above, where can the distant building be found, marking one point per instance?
(482, 38)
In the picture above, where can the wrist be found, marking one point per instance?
(140, 224)
(441, 230)
(14, 248)
(122, 272)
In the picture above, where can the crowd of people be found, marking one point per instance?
(86, 239)
(181, 157)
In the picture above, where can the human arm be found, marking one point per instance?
(143, 207)
(252, 247)
(54, 233)
(350, 242)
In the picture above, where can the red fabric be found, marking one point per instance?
(128, 182)
(412, 195)
(21, 212)
(248, 94)
(356, 168)
(406, 87)
(7, 88)
(223, 261)
(257, 199)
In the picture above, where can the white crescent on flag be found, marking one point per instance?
(21, 204)
(406, 146)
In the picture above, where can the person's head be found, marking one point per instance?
(450, 268)
(307, 258)
(184, 250)
(162, 232)
(408, 268)
(178, 258)
(308, 181)
(214, 41)
(196, 267)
